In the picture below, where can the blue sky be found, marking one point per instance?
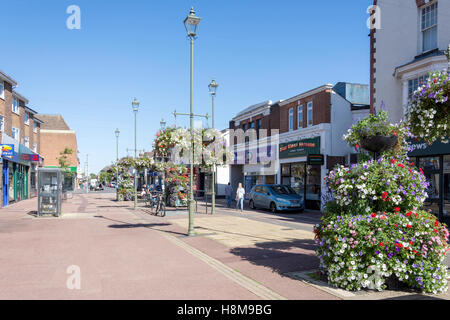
(256, 49)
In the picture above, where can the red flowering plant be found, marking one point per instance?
(429, 110)
(176, 182)
(377, 124)
(380, 185)
(363, 251)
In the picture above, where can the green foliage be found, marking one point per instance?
(378, 125)
(380, 185)
(429, 111)
(361, 251)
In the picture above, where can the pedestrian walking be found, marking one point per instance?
(228, 193)
(240, 192)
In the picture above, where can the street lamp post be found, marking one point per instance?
(117, 132)
(212, 91)
(135, 105)
(191, 24)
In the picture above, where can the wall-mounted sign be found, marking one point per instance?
(420, 148)
(316, 159)
(300, 148)
(7, 150)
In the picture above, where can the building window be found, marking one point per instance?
(414, 84)
(252, 125)
(2, 123)
(35, 147)
(15, 105)
(291, 119)
(16, 133)
(27, 118)
(2, 90)
(429, 27)
(244, 127)
(300, 116)
(310, 114)
(27, 142)
(34, 127)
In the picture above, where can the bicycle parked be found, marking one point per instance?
(155, 201)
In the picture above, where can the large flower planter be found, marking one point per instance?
(379, 144)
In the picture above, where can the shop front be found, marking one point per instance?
(434, 160)
(301, 168)
(18, 171)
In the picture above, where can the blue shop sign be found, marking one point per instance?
(8, 151)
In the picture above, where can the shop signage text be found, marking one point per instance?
(8, 150)
(300, 148)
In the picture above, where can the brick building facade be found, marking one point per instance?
(56, 136)
(310, 123)
(20, 139)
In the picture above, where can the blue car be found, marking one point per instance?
(276, 197)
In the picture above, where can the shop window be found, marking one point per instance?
(298, 177)
(313, 183)
(431, 170)
(447, 183)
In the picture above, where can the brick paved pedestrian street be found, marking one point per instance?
(127, 254)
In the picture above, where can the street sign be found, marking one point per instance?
(316, 159)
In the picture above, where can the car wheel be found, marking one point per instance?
(273, 207)
(252, 205)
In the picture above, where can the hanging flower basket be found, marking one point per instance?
(429, 111)
(379, 143)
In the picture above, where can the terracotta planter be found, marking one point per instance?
(378, 144)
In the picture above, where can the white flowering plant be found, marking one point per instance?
(359, 251)
(378, 125)
(379, 185)
(428, 113)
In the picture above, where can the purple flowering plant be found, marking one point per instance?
(428, 113)
(362, 251)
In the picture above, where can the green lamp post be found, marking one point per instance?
(135, 105)
(191, 24)
(212, 91)
(117, 132)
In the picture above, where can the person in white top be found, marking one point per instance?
(240, 192)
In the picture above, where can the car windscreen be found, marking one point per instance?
(283, 190)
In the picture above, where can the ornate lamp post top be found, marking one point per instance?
(191, 24)
(135, 105)
(213, 87)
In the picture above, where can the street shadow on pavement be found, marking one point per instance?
(138, 225)
(281, 257)
(32, 213)
(414, 297)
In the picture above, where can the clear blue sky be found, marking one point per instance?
(256, 49)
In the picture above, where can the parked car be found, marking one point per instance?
(276, 197)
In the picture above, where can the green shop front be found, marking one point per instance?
(69, 178)
(434, 160)
(301, 168)
(18, 173)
